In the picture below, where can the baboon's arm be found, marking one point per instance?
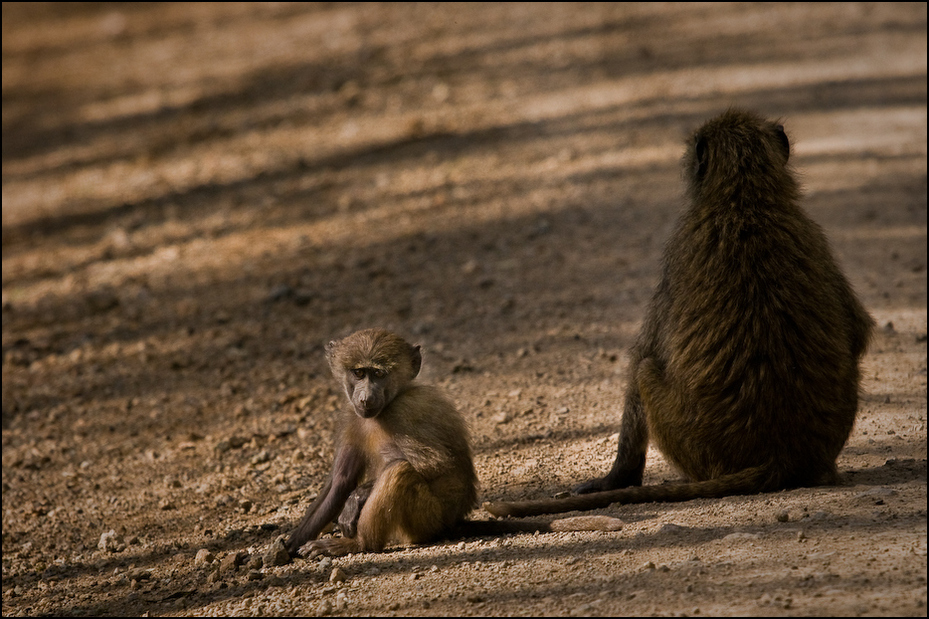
(346, 474)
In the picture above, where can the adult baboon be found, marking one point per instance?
(746, 371)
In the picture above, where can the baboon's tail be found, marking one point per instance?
(748, 481)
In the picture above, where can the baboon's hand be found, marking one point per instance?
(348, 518)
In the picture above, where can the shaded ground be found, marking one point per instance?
(197, 197)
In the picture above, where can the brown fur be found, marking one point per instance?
(410, 446)
(746, 372)
(403, 471)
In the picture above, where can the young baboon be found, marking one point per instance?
(403, 469)
(746, 371)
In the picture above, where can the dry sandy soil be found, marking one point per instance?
(197, 197)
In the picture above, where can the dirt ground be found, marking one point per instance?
(197, 197)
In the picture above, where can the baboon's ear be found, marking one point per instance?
(700, 158)
(782, 136)
(416, 360)
(330, 351)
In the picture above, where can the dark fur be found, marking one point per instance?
(746, 372)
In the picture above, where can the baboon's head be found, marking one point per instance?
(738, 155)
(374, 366)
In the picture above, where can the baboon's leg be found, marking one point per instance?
(629, 465)
(401, 507)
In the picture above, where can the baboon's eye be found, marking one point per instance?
(359, 372)
(378, 373)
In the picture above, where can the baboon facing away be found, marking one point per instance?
(746, 372)
(403, 468)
